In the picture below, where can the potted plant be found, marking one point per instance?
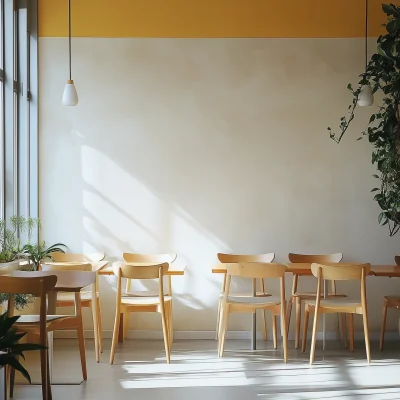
(11, 349)
(383, 130)
(39, 252)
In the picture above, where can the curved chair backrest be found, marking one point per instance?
(246, 258)
(256, 270)
(342, 272)
(141, 272)
(66, 267)
(397, 260)
(315, 258)
(149, 258)
(78, 258)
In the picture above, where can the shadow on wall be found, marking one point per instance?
(206, 146)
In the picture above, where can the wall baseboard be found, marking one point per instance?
(210, 335)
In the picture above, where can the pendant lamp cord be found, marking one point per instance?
(366, 34)
(69, 36)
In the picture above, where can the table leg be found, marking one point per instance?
(254, 323)
(121, 329)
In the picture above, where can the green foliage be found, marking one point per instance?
(383, 129)
(10, 347)
(38, 252)
(10, 245)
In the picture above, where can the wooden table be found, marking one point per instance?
(96, 266)
(174, 269)
(304, 269)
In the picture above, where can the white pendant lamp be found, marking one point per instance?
(70, 96)
(366, 98)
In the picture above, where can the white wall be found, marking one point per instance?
(204, 145)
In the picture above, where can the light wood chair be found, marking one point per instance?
(65, 279)
(38, 287)
(343, 272)
(128, 304)
(151, 259)
(237, 258)
(297, 297)
(388, 302)
(77, 258)
(67, 299)
(249, 304)
(89, 298)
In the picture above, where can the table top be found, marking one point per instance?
(96, 266)
(391, 271)
(174, 269)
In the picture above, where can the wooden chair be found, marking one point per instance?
(297, 297)
(34, 324)
(388, 302)
(343, 272)
(160, 303)
(39, 287)
(88, 298)
(237, 258)
(249, 304)
(67, 299)
(132, 258)
(77, 258)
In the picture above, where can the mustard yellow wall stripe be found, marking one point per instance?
(210, 18)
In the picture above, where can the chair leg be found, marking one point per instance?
(100, 324)
(82, 350)
(96, 329)
(383, 328)
(351, 331)
(305, 329)
(49, 394)
(264, 325)
(222, 332)
(44, 374)
(166, 336)
(171, 324)
(366, 335)
(314, 335)
(274, 331)
(126, 324)
(298, 321)
(289, 311)
(284, 333)
(12, 381)
(218, 319)
(115, 336)
(344, 329)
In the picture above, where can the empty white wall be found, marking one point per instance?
(204, 145)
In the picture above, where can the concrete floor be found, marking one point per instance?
(140, 372)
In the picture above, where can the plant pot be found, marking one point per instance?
(8, 267)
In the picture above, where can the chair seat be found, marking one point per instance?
(313, 295)
(265, 300)
(70, 297)
(35, 319)
(143, 301)
(337, 302)
(141, 293)
(247, 294)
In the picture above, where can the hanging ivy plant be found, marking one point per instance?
(383, 129)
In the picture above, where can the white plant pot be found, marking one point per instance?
(8, 267)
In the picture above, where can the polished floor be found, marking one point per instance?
(140, 372)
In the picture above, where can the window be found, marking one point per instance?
(18, 108)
